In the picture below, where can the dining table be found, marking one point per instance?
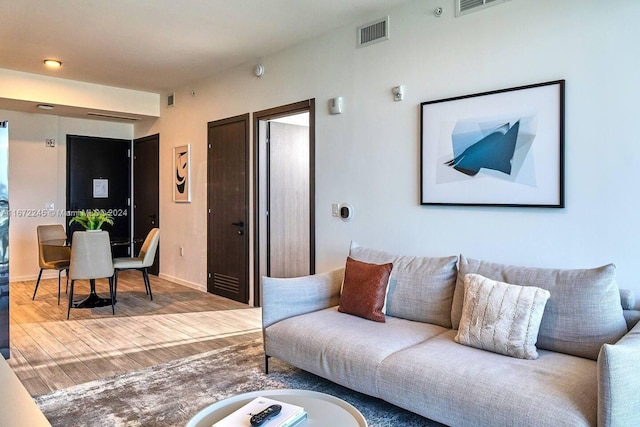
(93, 299)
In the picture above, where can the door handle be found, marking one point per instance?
(241, 225)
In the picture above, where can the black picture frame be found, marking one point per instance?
(499, 148)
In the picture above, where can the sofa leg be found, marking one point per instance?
(266, 364)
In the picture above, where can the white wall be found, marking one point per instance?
(369, 155)
(37, 176)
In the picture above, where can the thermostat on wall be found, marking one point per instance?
(346, 211)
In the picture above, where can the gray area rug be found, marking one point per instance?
(171, 393)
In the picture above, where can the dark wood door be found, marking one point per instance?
(228, 213)
(146, 203)
(99, 177)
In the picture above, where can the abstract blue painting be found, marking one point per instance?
(502, 148)
(491, 149)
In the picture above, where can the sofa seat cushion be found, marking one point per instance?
(464, 386)
(343, 348)
(582, 313)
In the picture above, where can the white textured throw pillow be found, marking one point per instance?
(500, 317)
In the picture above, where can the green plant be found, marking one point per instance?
(92, 220)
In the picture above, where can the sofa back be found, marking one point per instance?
(420, 288)
(583, 312)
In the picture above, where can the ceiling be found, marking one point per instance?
(160, 45)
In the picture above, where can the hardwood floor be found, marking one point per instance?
(49, 352)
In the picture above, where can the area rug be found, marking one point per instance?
(170, 394)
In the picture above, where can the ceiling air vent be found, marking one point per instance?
(467, 6)
(373, 32)
(112, 116)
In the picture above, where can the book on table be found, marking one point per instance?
(289, 416)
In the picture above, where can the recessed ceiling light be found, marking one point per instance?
(45, 106)
(53, 63)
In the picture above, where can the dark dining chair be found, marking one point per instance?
(142, 262)
(53, 254)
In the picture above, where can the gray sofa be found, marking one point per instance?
(587, 371)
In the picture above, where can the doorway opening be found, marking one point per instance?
(284, 147)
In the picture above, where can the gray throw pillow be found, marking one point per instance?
(420, 288)
(582, 313)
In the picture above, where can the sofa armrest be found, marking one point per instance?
(618, 379)
(630, 307)
(284, 298)
(628, 300)
(632, 317)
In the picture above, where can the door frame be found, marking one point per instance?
(72, 139)
(247, 122)
(270, 114)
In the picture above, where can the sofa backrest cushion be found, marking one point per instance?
(420, 288)
(582, 313)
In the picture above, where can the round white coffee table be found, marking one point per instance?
(322, 409)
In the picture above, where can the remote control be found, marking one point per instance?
(265, 415)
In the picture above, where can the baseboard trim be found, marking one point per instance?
(51, 274)
(188, 284)
(46, 274)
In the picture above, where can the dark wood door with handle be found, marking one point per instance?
(146, 203)
(228, 208)
(98, 177)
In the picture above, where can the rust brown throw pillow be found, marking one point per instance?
(364, 289)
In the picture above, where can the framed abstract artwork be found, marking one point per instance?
(498, 148)
(182, 174)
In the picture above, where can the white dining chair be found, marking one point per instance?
(91, 259)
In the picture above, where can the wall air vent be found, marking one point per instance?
(112, 116)
(467, 6)
(373, 32)
(171, 99)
